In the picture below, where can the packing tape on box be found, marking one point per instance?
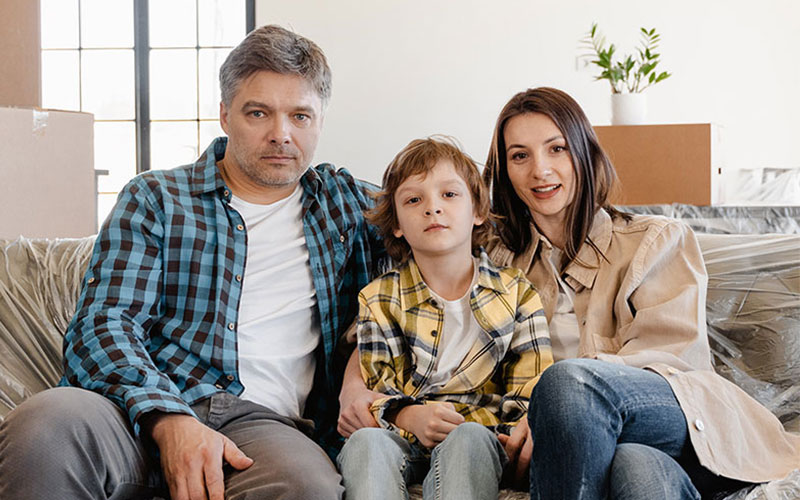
(39, 122)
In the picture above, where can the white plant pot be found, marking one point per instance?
(628, 109)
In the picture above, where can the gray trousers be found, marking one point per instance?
(69, 443)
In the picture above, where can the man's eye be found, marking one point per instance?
(256, 114)
(301, 117)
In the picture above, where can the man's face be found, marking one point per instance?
(273, 125)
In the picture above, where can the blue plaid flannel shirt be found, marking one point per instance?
(156, 322)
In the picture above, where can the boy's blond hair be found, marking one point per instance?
(419, 157)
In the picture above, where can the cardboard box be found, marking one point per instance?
(664, 163)
(47, 179)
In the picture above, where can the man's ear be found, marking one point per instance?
(223, 117)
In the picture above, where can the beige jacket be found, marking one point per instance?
(645, 307)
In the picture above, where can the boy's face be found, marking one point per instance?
(435, 212)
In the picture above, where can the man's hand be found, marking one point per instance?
(519, 447)
(192, 455)
(431, 423)
(355, 400)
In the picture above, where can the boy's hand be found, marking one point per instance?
(431, 423)
(519, 447)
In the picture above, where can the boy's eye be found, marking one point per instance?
(450, 194)
(413, 199)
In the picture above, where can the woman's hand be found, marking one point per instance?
(431, 423)
(519, 447)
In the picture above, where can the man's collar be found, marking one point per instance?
(205, 176)
(414, 291)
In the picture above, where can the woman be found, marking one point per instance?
(621, 293)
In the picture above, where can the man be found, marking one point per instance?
(210, 312)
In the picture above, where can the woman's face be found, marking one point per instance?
(540, 169)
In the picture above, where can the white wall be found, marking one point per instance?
(408, 68)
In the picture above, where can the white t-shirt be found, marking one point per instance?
(278, 323)
(459, 332)
(565, 334)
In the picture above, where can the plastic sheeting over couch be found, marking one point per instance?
(753, 309)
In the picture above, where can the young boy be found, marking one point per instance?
(455, 343)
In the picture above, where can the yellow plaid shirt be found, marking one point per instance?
(399, 330)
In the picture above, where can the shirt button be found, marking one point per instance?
(239, 277)
(226, 192)
(434, 303)
(341, 238)
(230, 378)
(240, 227)
(231, 326)
(415, 383)
(218, 386)
(91, 280)
(434, 333)
(699, 425)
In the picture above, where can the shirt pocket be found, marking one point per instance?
(342, 242)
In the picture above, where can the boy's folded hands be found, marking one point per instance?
(430, 423)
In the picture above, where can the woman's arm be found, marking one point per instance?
(661, 305)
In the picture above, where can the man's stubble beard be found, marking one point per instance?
(271, 176)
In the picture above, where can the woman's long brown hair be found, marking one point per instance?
(594, 173)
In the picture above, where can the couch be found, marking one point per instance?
(752, 255)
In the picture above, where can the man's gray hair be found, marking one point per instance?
(272, 48)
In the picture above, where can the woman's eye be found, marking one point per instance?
(412, 200)
(519, 156)
(558, 149)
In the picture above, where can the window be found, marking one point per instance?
(147, 70)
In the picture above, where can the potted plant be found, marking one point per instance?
(628, 76)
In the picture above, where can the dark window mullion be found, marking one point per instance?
(250, 15)
(141, 51)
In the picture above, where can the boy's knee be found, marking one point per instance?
(470, 439)
(368, 440)
(471, 432)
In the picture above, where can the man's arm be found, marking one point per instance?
(532, 354)
(105, 346)
(355, 400)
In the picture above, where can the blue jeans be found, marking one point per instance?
(602, 430)
(377, 463)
